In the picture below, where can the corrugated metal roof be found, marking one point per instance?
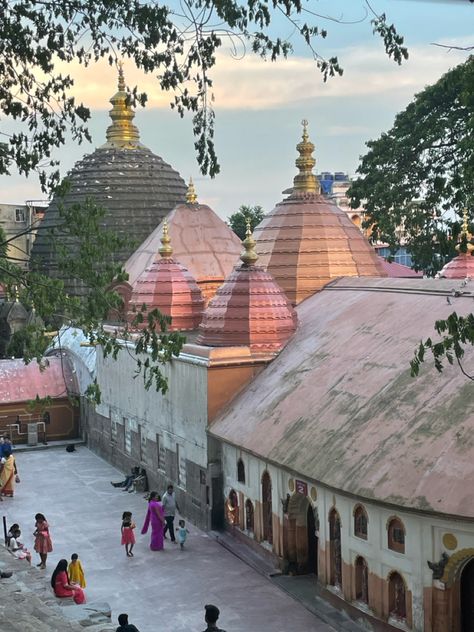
(20, 382)
(338, 404)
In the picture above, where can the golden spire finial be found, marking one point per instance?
(248, 256)
(305, 181)
(122, 133)
(166, 250)
(191, 197)
(465, 234)
(17, 294)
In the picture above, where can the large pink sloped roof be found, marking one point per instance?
(20, 382)
(338, 404)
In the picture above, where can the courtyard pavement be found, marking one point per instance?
(162, 591)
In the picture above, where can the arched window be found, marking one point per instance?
(232, 508)
(249, 515)
(360, 522)
(267, 507)
(335, 548)
(362, 580)
(397, 597)
(240, 471)
(396, 535)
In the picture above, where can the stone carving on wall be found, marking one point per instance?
(438, 567)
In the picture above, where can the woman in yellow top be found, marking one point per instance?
(76, 572)
(8, 474)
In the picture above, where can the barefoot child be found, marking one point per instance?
(76, 572)
(182, 533)
(15, 544)
(128, 537)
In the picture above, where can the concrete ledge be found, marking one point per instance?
(23, 447)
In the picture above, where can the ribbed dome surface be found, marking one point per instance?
(137, 189)
(167, 285)
(248, 309)
(307, 241)
(460, 267)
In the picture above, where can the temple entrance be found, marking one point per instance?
(467, 597)
(301, 540)
(267, 507)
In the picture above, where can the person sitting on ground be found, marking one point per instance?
(62, 586)
(16, 546)
(128, 482)
(15, 526)
(125, 626)
(211, 616)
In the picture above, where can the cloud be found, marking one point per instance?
(251, 83)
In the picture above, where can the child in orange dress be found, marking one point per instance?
(128, 537)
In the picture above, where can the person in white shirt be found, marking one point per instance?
(169, 508)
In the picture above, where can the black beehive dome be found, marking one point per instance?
(136, 187)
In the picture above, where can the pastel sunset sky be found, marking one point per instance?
(259, 105)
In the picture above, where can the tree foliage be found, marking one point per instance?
(238, 221)
(90, 262)
(417, 178)
(178, 45)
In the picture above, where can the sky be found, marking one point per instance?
(259, 105)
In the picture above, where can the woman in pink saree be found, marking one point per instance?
(156, 517)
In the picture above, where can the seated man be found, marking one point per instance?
(128, 482)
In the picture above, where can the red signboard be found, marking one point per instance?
(301, 487)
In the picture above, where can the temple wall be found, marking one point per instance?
(426, 538)
(165, 434)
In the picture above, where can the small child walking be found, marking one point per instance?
(182, 533)
(128, 537)
(76, 572)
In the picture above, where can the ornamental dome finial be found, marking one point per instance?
(465, 234)
(191, 197)
(249, 256)
(122, 133)
(305, 181)
(166, 251)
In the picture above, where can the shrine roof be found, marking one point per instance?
(20, 382)
(338, 405)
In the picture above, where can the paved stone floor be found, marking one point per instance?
(162, 591)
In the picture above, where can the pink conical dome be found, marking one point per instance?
(460, 267)
(307, 240)
(249, 309)
(168, 286)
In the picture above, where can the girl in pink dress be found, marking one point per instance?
(43, 544)
(128, 537)
(62, 586)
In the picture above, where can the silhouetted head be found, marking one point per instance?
(123, 619)
(212, 613)
(40, 518)
(74, 557)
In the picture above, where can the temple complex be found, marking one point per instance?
(291, 418)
